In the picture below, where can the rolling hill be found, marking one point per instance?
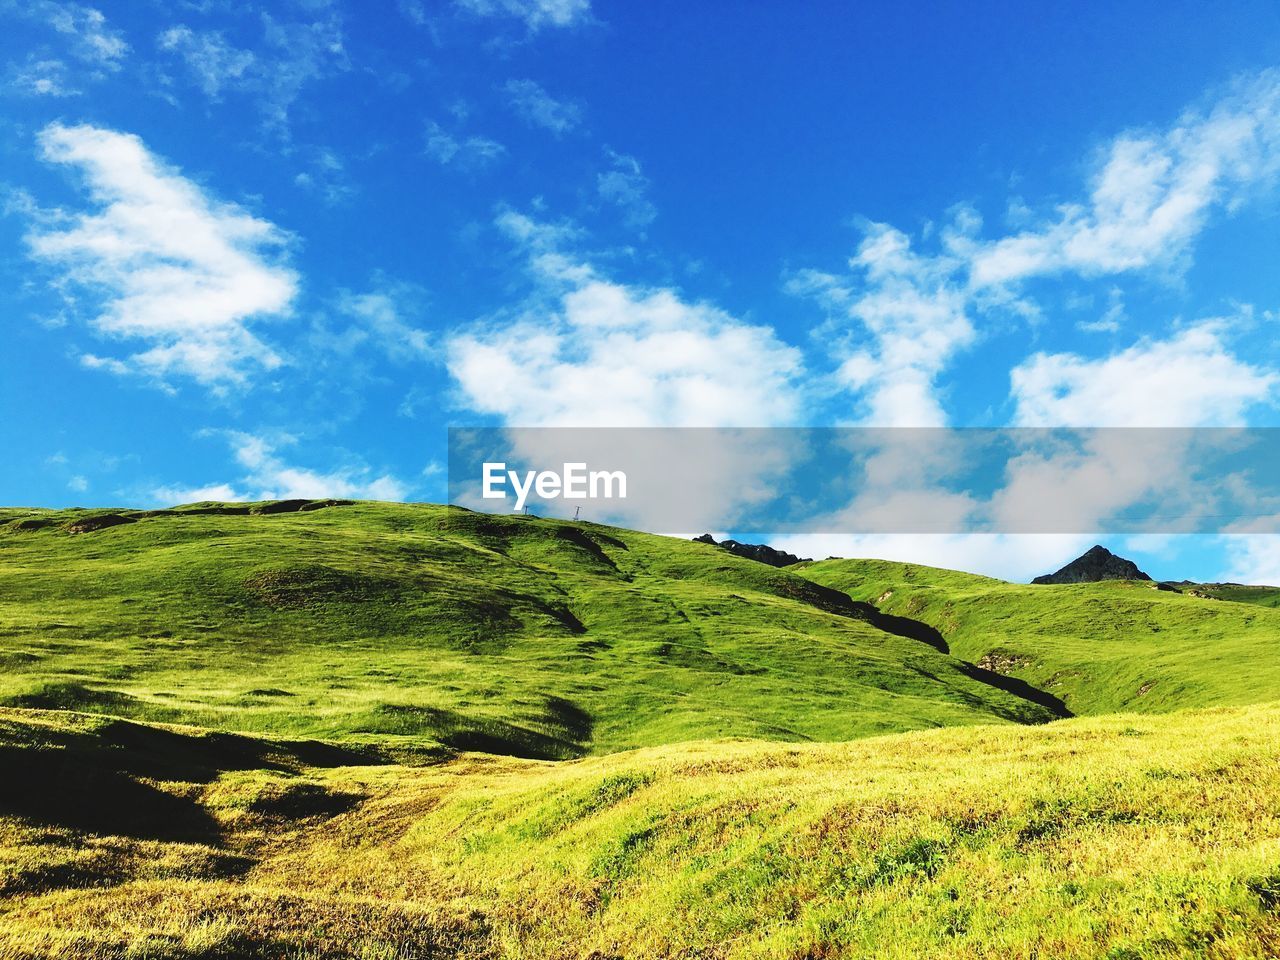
(319, 729)
(420, 627)
(1099, 647)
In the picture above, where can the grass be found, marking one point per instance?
(1099, 647)
(1124, 836)
(412, 626)
(313, 730)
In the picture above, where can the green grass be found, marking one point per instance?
(312, 731)
(1124, 837)
(413, 626)
(1100, 647)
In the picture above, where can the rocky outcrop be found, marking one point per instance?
(760, 552)
(1097, 563)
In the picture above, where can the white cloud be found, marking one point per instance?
(1017, 557)
(606, 354)
(173, 495)
(467, 153)
(44, 78)
(539, 109)
(914, 317)
(291, 57)
(94, 40)
(267, 476)
(1189, 379)
(172, 266)
(380, 315)
(213, 62)
(1253, 558)
(626, 186)
(326, 177)
(1152, 193)
(536, 14)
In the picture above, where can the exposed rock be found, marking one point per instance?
(1098, 563)
(1002, 661)
(760, 552)
(101, 522)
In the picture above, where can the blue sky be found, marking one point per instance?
(276, 250)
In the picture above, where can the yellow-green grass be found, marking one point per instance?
(1124, 837)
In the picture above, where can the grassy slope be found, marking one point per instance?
(1121, 837)
(409, 625)
(1100, 647)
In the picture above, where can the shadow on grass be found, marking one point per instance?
(85, 792)
(1019, 688)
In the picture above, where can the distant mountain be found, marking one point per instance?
(1097, 563)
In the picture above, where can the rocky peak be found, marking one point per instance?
(1096, 563)
(761, 552)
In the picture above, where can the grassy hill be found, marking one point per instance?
(1123, 837)
(1099, 647)
(311, 730)
(420, 627)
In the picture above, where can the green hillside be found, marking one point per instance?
(1099, 647)
(417, 627)
(1121, 837)
(319, 730)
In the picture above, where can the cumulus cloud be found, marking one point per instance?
(603, 353)
(1189, 379)
(536, 14)
(170, 265)
(268, 476)
(903, 316)
(910, 318)
(1253, 558)
(539, 109)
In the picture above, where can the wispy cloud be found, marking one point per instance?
(1152, 193)
(94, 40)
(626, 186)
(214, 64)
(43, 78)
(536, 14)
(88, 49)
(291, 57)
(268, 476)
(539, 109)
(462, 152)
(380, 316)
(326, 177)
(168, 264)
